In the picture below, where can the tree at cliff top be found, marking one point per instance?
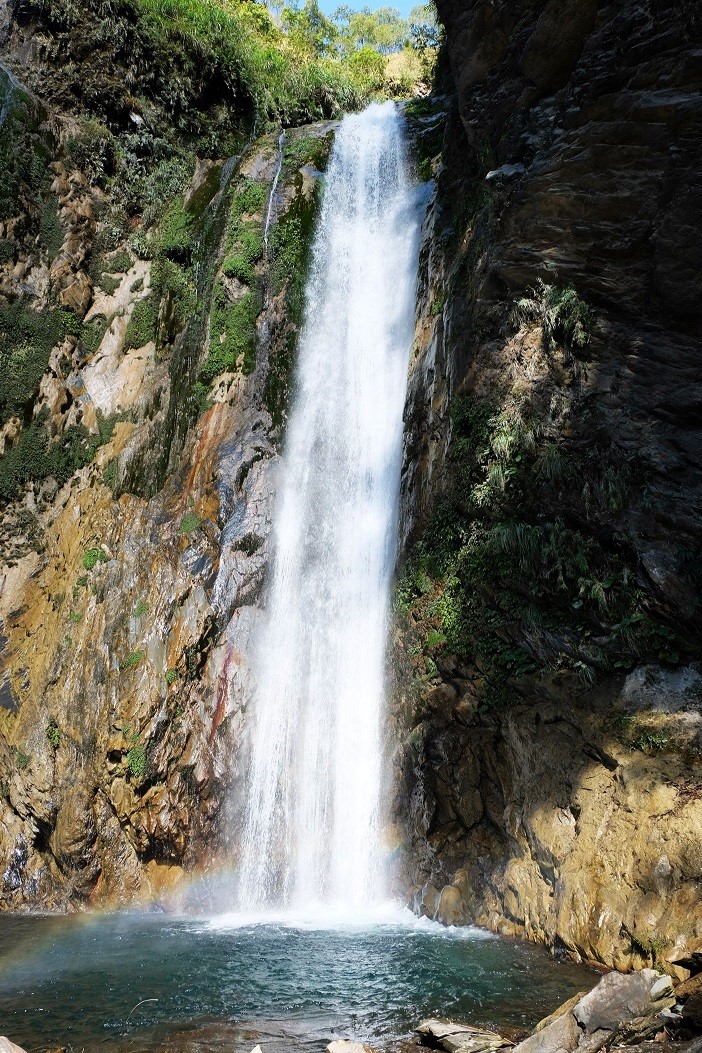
(209, 67)
(383, 52)
(193, 59)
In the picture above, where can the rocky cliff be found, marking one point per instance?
(549, 605)
(149, 303)
(548, 717)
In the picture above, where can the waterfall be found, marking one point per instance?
(313, 825)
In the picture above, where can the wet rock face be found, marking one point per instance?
(533, 804)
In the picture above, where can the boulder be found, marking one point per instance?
(450, 910)
(429, 901)
(618, 998)
(562, 1009)
(688, 987)
(459, 1038)
(345, 1046)
(561, 1035)
(692, 1011)
(688, 957)
(9, 1047)
(624, 1007)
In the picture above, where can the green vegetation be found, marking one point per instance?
(141, 609)
(381, 50)
(233, 339)
(504, 581)
(109, 284)
(231, 51)
(132, 660)
(91, 333)
(21, 757)
(235, 65)
(91, 149)
(650, 946)
(24, 173)
(233, 313)
(649, 741)
(93, 556)
(109, 476)
(50, 231)
(563, 315)
(241, 264)
(290, 248)
(136, 761)
(189, 523)
(142, 324)
(435, 639)
(174, 238)
(171, 676)
(27, 338)
(237, 69)
(53, 734)
(36, 456)
(118, 262)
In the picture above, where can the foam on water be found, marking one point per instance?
(319, 918)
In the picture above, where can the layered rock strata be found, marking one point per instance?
(547, 641)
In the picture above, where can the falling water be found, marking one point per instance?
(313, 823)
(274, 187)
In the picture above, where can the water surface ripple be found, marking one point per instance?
(289, 985)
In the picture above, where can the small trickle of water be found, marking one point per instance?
(312, 828)
(274, 187)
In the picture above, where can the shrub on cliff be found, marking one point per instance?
(207, 67)
(563, 315)
(505, 579)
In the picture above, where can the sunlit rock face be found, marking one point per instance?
(556, 821)
(549, 777)
(130, 584)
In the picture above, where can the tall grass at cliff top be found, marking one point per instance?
(252, 54)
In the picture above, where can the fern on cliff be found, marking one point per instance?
(563, 315)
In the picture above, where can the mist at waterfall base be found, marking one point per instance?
(308, 952)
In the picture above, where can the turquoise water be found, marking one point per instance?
(226, 985)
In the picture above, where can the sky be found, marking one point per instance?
(403, 6)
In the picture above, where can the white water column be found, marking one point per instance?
(313, 809)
